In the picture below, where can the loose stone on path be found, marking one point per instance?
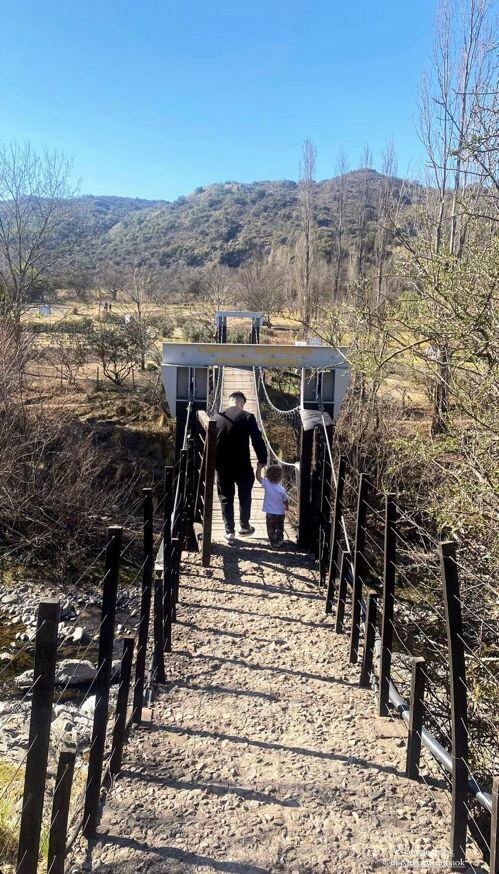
(263, 754)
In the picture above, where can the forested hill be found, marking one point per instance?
(232, 222)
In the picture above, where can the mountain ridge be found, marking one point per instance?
(232, 222)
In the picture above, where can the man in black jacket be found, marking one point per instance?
(235, 429)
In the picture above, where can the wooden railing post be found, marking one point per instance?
(102, 680)
(184, 490)
(315, 491)
(415, 718)
(494, 828)
(190, 493)
(60, 810)
(369, 639)
(334, 565)
(159, 648)
(209, 483)
(459, 704)
(180, 529)
(306, 445)
(145, 607)
(39, 734)
(167, 559)
(342, 591)
(359, 565)
(389, 562)
(325, 513)
(121, 707)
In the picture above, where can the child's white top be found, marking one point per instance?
(275, 495)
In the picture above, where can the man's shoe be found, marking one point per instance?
(229, 536)
(246, 530)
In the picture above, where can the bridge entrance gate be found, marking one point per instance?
(198, 379)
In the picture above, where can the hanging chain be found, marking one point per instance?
(217, 392)
(287, 414)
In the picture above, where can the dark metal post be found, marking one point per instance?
(184, 493)
(182, 527)
(459, 704)
(494, 828)
(342, 592)
(39, 735)
(121, 707)
(159, 649)
(415, 718)
(176, 557)
(315, 487)
(369, 638)
(103, 680)
(325, 513)
(145, 607)
(211, 450)
(306, 445)
(192, 444)
(167, 560)
(60, 810)
(359, 565)
(390, 558)
(335, 534)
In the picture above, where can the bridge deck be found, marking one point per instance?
(239, 379)
(263, 755)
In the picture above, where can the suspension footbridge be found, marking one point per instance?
(239, 379)
(308, 710)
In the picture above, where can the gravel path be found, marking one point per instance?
(263, 754)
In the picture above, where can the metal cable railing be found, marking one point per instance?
(402, 707)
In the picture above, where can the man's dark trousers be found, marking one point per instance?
(227, 480)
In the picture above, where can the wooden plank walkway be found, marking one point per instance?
(241, 379)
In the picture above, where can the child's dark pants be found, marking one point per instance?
(275, 528)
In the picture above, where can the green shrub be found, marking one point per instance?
(197, 331)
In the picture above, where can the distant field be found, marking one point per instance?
(400, 386)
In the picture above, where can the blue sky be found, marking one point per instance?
(152, 99)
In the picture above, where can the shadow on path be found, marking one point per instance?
(327, 620)
(176, 854)
(269, 745)
(305, 675)
(219, 690)
(214, 789)
(206, 629)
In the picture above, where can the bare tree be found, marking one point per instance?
(262, 287)
(115, 345)
(383, 218)
(219, 286)
(480, 143)
(39, 224)
(341, 171)
(144, 323)
(470, 66)
(450, 95)
(68, 353)
(112, 280)
(363, 204)
(307, 209)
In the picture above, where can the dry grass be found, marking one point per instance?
(11, 788)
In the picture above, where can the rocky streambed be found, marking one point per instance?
(78, 637)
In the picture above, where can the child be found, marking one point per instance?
(275, 502)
